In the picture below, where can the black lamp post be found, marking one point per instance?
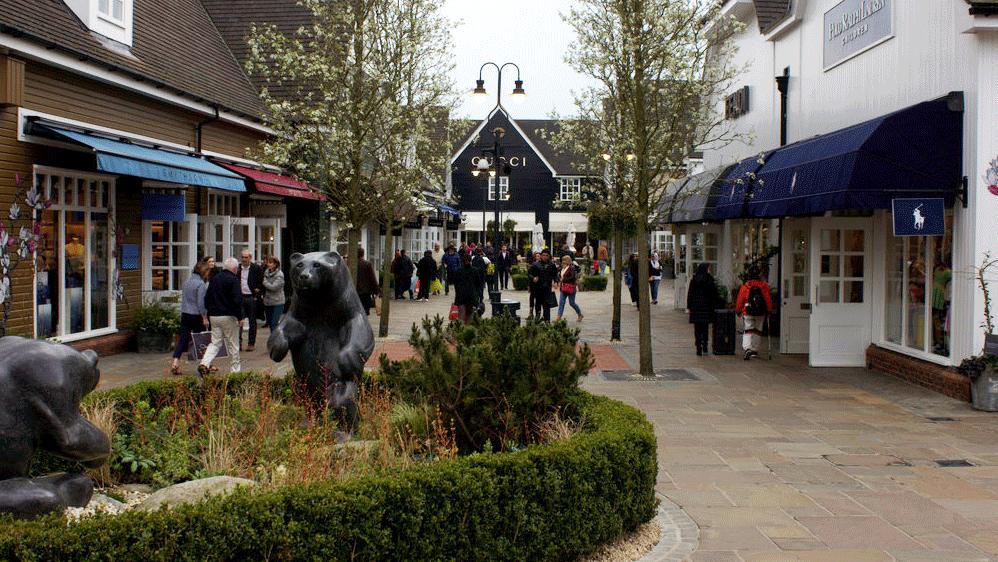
(495, 166)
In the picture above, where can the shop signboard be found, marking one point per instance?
(853, 26)
(919, 217)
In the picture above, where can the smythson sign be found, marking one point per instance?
(853, 26)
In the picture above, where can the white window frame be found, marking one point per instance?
(902, 347)
(570, 188)
(191, 243)
(109, 14)
(503, 188)
(275, 223)
(60, 208)
(223, 203)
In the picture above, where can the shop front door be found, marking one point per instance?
(795, 321)
(840, 282)
(243, 237)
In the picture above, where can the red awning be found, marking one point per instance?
(274, 184)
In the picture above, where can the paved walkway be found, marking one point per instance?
(774, 460)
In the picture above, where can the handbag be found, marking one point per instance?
(199, 343)
(568, 288)
(551, 301)
(453, 312)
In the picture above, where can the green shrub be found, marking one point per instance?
(493, 380)
(594, 283)
(520, 281)
(155, 317)
(548, 502)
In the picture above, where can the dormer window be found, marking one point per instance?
(111, 19)
(113, 10)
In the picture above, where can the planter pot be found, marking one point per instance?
(991, 344)
(984, 391)
(151, 342)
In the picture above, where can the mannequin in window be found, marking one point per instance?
(74, 262)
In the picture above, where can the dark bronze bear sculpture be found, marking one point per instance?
(41, 385)
(327, 332)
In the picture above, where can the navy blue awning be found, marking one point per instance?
(693, 199)
(128, 159)
(448, 209)
(914, 152)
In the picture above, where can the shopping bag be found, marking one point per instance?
(454, 311)
(436, 286)
(199, 343)
(551, 301)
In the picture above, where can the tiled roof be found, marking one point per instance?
(175, 44)
(235, 18)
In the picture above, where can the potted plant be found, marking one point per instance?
(155, 325)
(983, 369)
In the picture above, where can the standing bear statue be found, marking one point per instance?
(41, 385)
(327, 333)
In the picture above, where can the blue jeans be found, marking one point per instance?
(570, 297)
(654, 289)
(273, 314)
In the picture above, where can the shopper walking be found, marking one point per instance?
(402, 270)
(451, 263)
(368, 288)
(273, 296)
(193, 315)
(251, 284)
(603, 255)
(701, 301)
(467, 283)
(567, 286)
(438, 260)
(223, 302)
(479, 262)
(426, 272)
(632, 275)
(504, 262)
(654, 276)
(753, 304)
(544, 274)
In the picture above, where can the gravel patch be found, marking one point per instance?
(632, 546)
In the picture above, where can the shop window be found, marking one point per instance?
(168, 245)
(74, 263)
(268, 238)
(223, 204)
(918, 292)
(704, 249)
(503, 188)
(570, 189)
(681, 262)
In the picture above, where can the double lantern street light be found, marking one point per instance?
(492, 159)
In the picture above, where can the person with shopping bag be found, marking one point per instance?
(467, 282)
(193, 315)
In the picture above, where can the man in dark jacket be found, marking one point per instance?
(701, 301)
(367, 282)
(426, 272)
(251, 288)
(402, 269)
(467, 289)
(479, 263)
(504, 261)
(223, 301)
(452, 262)
(542, 274)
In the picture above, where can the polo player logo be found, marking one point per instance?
(919, 218)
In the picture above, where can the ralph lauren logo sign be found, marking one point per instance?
(737, 104)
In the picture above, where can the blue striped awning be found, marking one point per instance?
(118, 157)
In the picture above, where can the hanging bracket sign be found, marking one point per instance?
(919, 217)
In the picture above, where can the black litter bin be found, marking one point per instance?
(495, 296)
(506, 306)
(724, 332)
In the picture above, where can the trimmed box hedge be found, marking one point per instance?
(547, 502)
(520, 281)
(594, 283)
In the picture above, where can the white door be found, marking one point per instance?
(795, 319)
(268, 238)
(840, 282)
(243, 236)
(213, 237)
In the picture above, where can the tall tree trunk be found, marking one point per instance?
(646, 367)
(618, 276)
(353, 261)
(386, 278)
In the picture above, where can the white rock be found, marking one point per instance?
(193, 491)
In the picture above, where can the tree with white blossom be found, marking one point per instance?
(353, 99)
(661, 68)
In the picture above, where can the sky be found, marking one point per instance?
(529, 33)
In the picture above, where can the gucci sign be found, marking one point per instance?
(512, 161)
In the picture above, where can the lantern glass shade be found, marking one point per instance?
(479, 91)
(475, 172)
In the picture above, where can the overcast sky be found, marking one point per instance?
(527, 32)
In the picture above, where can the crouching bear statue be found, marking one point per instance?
(41, 385)
(327, 333)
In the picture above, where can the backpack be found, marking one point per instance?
(756, 303)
